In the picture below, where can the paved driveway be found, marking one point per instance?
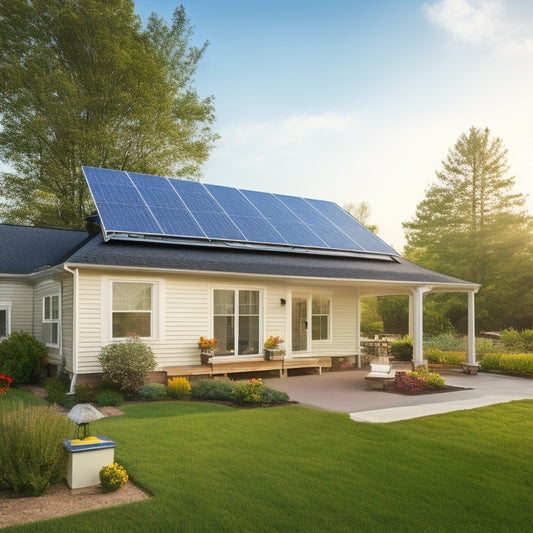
(346, 392)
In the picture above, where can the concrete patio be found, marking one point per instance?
(346, 392)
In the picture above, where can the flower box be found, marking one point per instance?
(273, 354)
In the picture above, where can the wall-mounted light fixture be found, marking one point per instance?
(282, 301)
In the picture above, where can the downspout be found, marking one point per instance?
(75, 299)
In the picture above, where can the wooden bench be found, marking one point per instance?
(233, 367)
(380, 377)
(307, 362)
(221, 367)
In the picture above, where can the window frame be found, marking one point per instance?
(50, 319)
(328, 315)
(6, 306)
(236, 316)
(153, 307)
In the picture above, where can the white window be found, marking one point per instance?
(51, 320)
(5, 320)
(320, 321)
(132, 309)
(236, 317)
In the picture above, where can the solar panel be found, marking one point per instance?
(169, 208)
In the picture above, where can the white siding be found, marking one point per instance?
(20, 296)
(67, 309)
(184, 313)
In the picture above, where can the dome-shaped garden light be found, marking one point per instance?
(82, 414)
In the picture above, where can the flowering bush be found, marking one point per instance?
(112, 477)
(178, 387)
(251, 392)
(272, 343)
(205, 343)
(420, 380)
(5, 382)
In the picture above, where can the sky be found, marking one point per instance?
(352, 100)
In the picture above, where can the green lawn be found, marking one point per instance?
(292, 469)
(15, 395)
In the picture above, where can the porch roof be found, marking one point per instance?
(258, 262)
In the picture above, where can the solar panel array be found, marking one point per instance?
(138, 204)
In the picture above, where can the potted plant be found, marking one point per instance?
(272, 350)
(207, 349)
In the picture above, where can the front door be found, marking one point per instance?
(299, 324)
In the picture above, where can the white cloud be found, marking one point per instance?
(502, 24)
(288, 132)
(468, 20)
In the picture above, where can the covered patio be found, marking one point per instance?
(345, 392)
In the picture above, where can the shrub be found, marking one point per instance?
(406, 382)
(512, 340)
(370, 329)
(127, 364)
(21, 356)
(178, 387)
(153, 391)
(251, 392)
(520, 363)
(31, 451)
(491, 361)
(402, 350)
(56, 390)
(84, 393)
(419, 380)
(208, 389)
(527, 338)
(273, 396)
(109, 397)
(434, 381)
(436, 356)
(445, 342)
(113, 477)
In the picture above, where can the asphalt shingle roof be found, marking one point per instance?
(203, 258)
(24, 249)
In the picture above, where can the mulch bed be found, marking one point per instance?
(446, 388)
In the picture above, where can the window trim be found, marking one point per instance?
(328, 315)
(236, 315)
(52, 320)
(6, 306)
(153, 303)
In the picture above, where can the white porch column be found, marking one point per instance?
(358, 329)
(471, 330)
(411, 316)
(418, 323)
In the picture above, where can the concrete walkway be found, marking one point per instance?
(346, 392)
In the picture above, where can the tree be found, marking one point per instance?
(473, 226)
(81, 83)
(361, 212)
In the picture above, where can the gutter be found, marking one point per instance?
(75, 300)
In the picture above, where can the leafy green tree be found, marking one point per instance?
(371, 323)
(473, 226)
(82, 83)
(361, 212)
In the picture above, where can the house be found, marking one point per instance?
(78, 292)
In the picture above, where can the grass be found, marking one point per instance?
(15, 395)
(291, 469)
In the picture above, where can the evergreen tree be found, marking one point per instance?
(473, 226)
(82, 83)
